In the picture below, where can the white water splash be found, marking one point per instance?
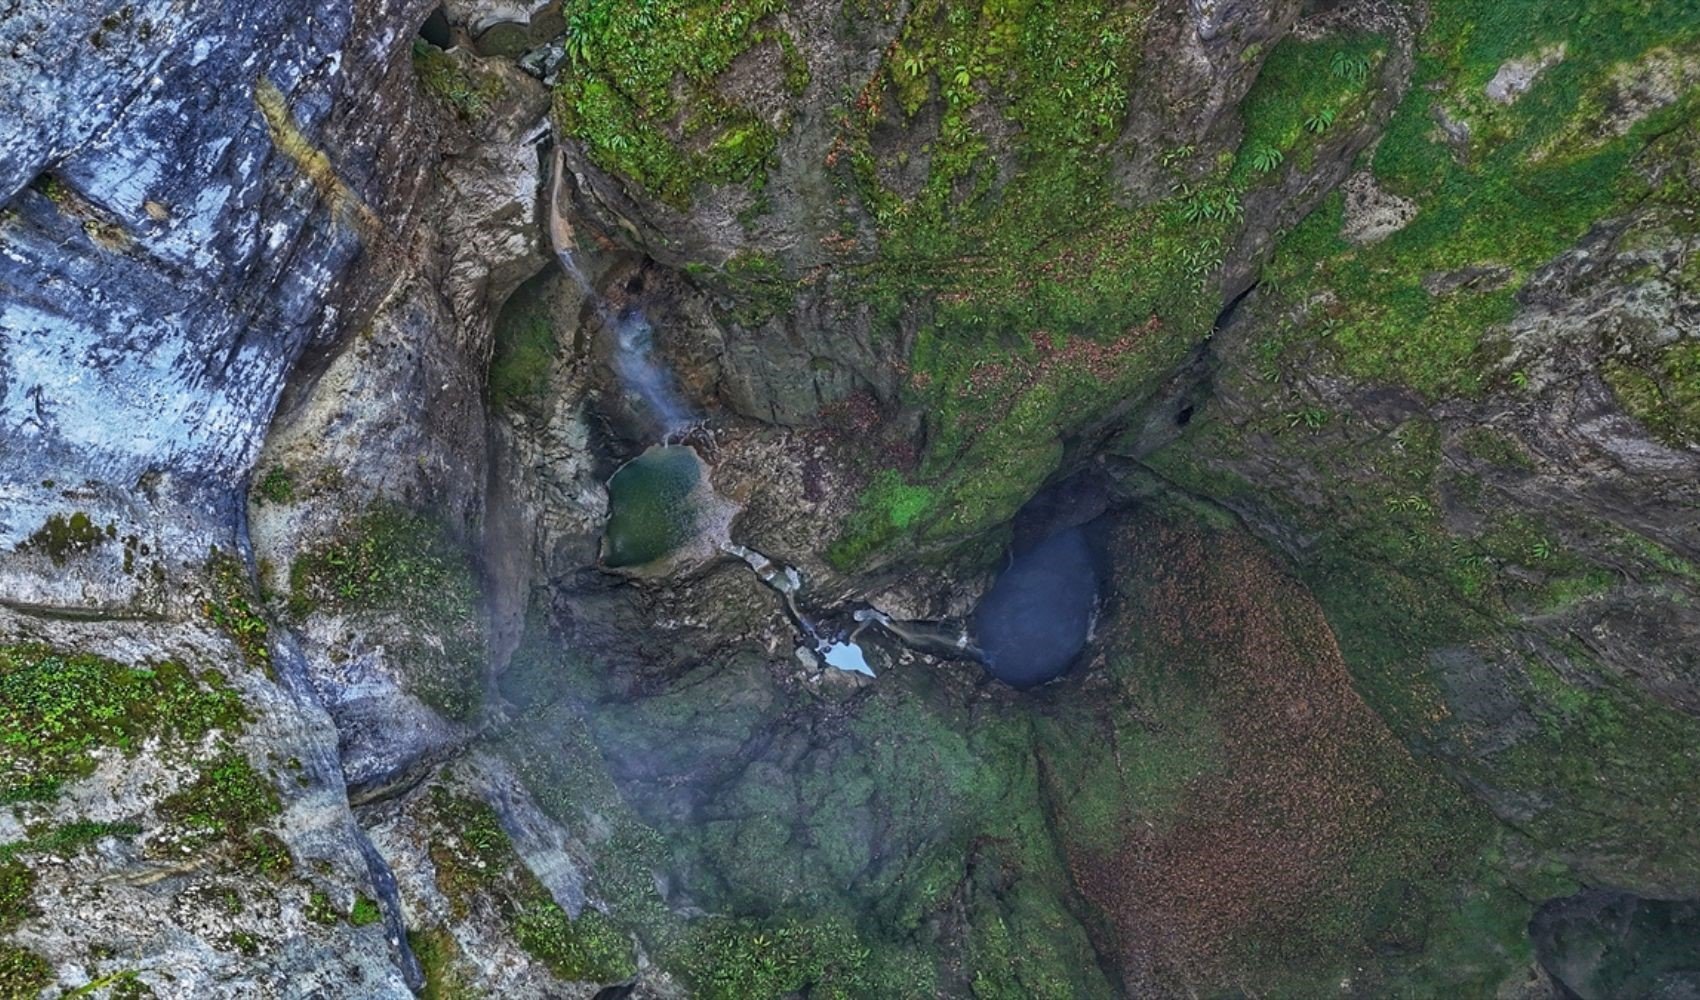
(839, 652)
(634, 338)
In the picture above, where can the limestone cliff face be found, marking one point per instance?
(207, 212)
(1360, 338)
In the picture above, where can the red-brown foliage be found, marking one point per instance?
(1274, 829)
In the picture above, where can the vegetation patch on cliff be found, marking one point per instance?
(234, 607)
(1500, 187)
(61, 537)
(225, 801)
(396, 564)
(1052, 305)
(456, 79)
(526, 348)
(57, 709)
(23, 974)
(641, 91)
(477, 865)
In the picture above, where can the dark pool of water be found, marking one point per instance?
(1603, 943)
(1033, 623)
(649, 508)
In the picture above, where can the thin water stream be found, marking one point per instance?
(634, 337)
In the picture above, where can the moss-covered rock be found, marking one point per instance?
(403, 571)
(58, 709)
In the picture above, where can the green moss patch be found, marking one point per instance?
(62, 537)
(23, 974)
(446, 974)
(457, 80)
(234, 607)
(477, 865)
(1663, 392)
(58, 708)
(1305, 90)
(397, 564)
(277, 486)
(225, 801)
(365, 912)
(526, 347)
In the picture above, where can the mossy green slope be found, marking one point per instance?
(1052, 306)
(1503, 193)
(1445, 587)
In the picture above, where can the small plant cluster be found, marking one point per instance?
(57, 708)
(225, 801)
(365, 912)
(277, 486)
(477, 865)
(233, 606)
(1210, 205)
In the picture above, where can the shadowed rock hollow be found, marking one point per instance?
(1330, 370)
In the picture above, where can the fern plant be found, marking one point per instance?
(1350, 67)
(1319, 122)
(1265, 158)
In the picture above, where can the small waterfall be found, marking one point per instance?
(840, 652)
(634, 338)
(636, 365)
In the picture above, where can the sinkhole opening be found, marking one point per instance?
(436, 29)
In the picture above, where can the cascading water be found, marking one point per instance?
(634, 362)
(634, 337)
(840, 652)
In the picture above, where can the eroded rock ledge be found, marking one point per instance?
(1358, 340)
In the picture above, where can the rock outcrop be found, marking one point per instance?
(1359, 342)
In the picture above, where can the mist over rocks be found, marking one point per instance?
(1299, 401)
